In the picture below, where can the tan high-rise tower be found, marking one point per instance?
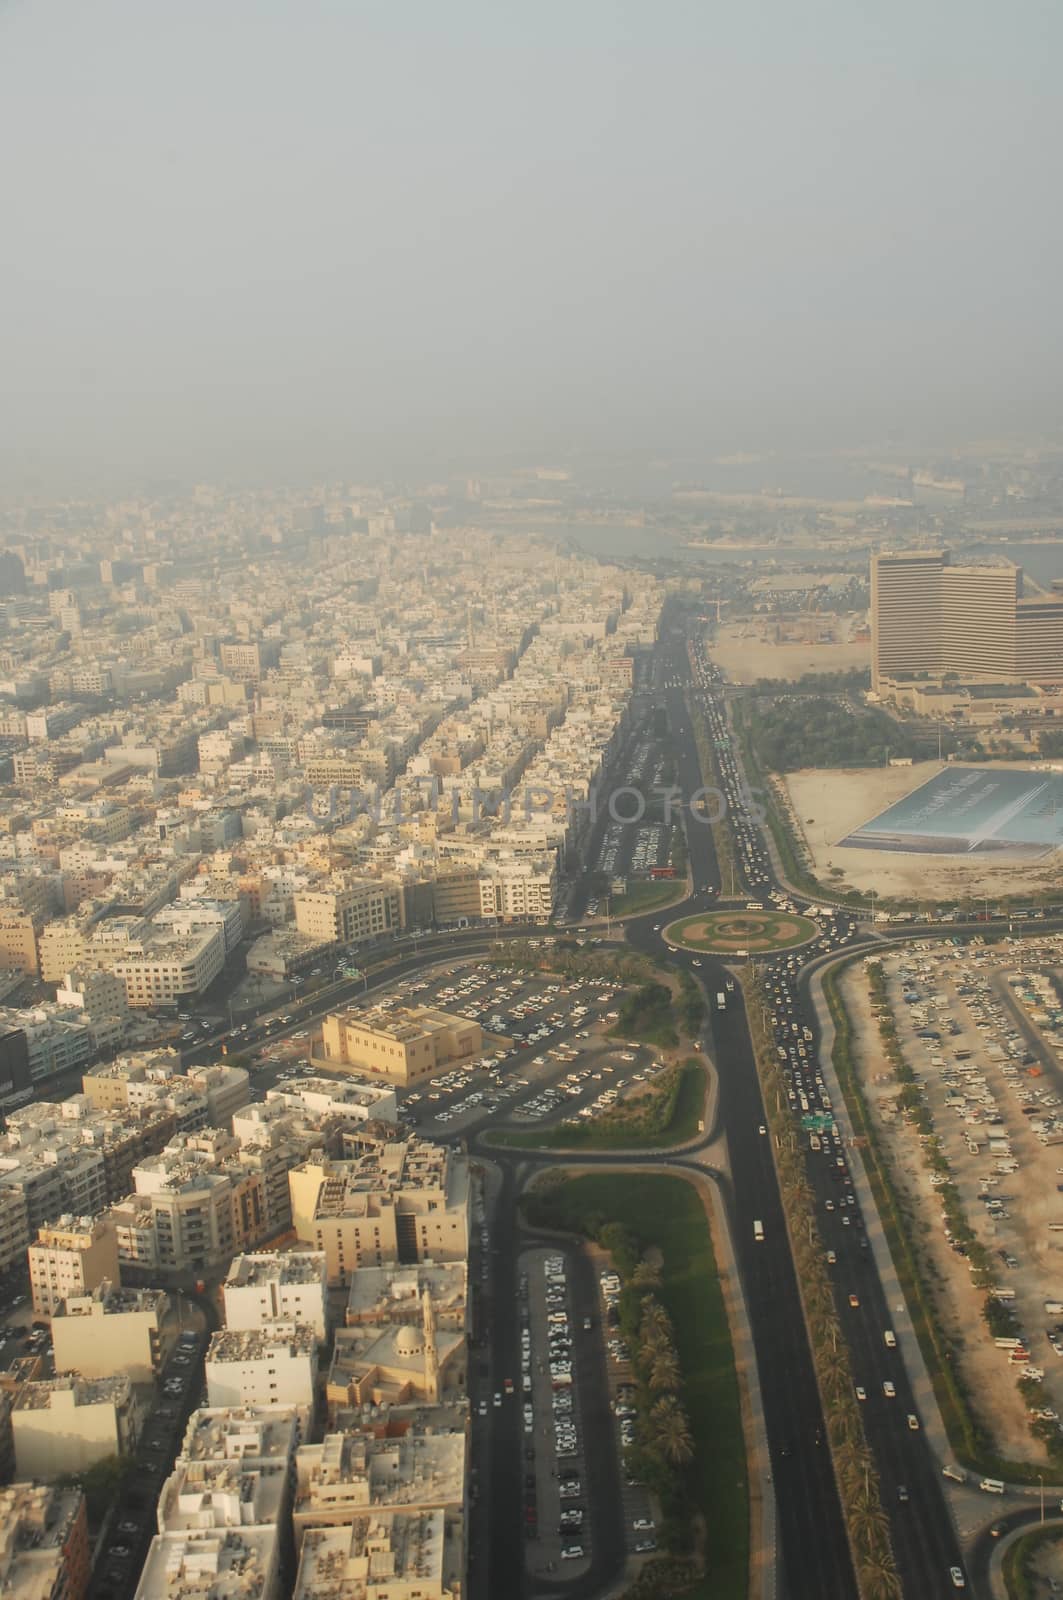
(930, 617)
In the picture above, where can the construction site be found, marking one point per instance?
(792, 623)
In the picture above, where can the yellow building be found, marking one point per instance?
(63, 1425)
(113, 1330)
(70, 1259)
(401, 1202)
(63, 948)
(405, 1046)
(18, 941)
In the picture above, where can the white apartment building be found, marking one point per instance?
(289, 1286)
(391, 1555)
(271, 1365)
(161, 970)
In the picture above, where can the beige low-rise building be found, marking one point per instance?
(388, 1555)
(254, 1434)
(406, 1201)
(397, 1363)
(275, 1286)
(114, 1330)
(404, 1045)
(62, 1425)
(394, 1293)
(213, 1564)
(71, 1258)
(227, 1090)
(421, 1468)
(350, 911)
(44, 1543)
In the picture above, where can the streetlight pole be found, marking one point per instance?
(1041, 1481)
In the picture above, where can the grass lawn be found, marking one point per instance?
(727, 932)
(597, 1134)
(1018, 1580)
(642, 897)
(667, 1212)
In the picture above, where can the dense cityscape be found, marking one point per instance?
(531, 800)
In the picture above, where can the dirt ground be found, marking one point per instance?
(985, 1368)
(746, 651)
(829, 804)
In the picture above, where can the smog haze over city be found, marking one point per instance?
(264, 238)
(531, 801)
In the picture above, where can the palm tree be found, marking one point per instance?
(654, 1316)
(671, 1430)
(869, 1524)
(646, 1276)
(878, 1578)
(664, 1371)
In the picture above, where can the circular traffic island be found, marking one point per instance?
(740, 933)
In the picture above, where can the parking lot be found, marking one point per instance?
(555, 1501)
(571, 1420)
(545, 1055)
(632, 848)
(639, 1528)
(998, 1113)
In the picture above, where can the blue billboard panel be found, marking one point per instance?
(966, 809)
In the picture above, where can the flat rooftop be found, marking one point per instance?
(252, 1344)
(280, 1266)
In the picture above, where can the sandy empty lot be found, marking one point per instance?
(745, 659)
(829, 804)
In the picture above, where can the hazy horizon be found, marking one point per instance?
(289, 240)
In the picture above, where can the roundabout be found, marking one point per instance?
(732, 933)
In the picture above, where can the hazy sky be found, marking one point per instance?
(288, 235)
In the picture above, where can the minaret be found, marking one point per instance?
(431, 1354)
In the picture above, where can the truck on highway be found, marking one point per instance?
(758, 1232)
(721, 1000)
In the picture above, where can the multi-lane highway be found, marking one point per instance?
(924, 1539)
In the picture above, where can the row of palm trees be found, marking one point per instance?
(666, 1428)
(627, 967)
(854, 1465)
